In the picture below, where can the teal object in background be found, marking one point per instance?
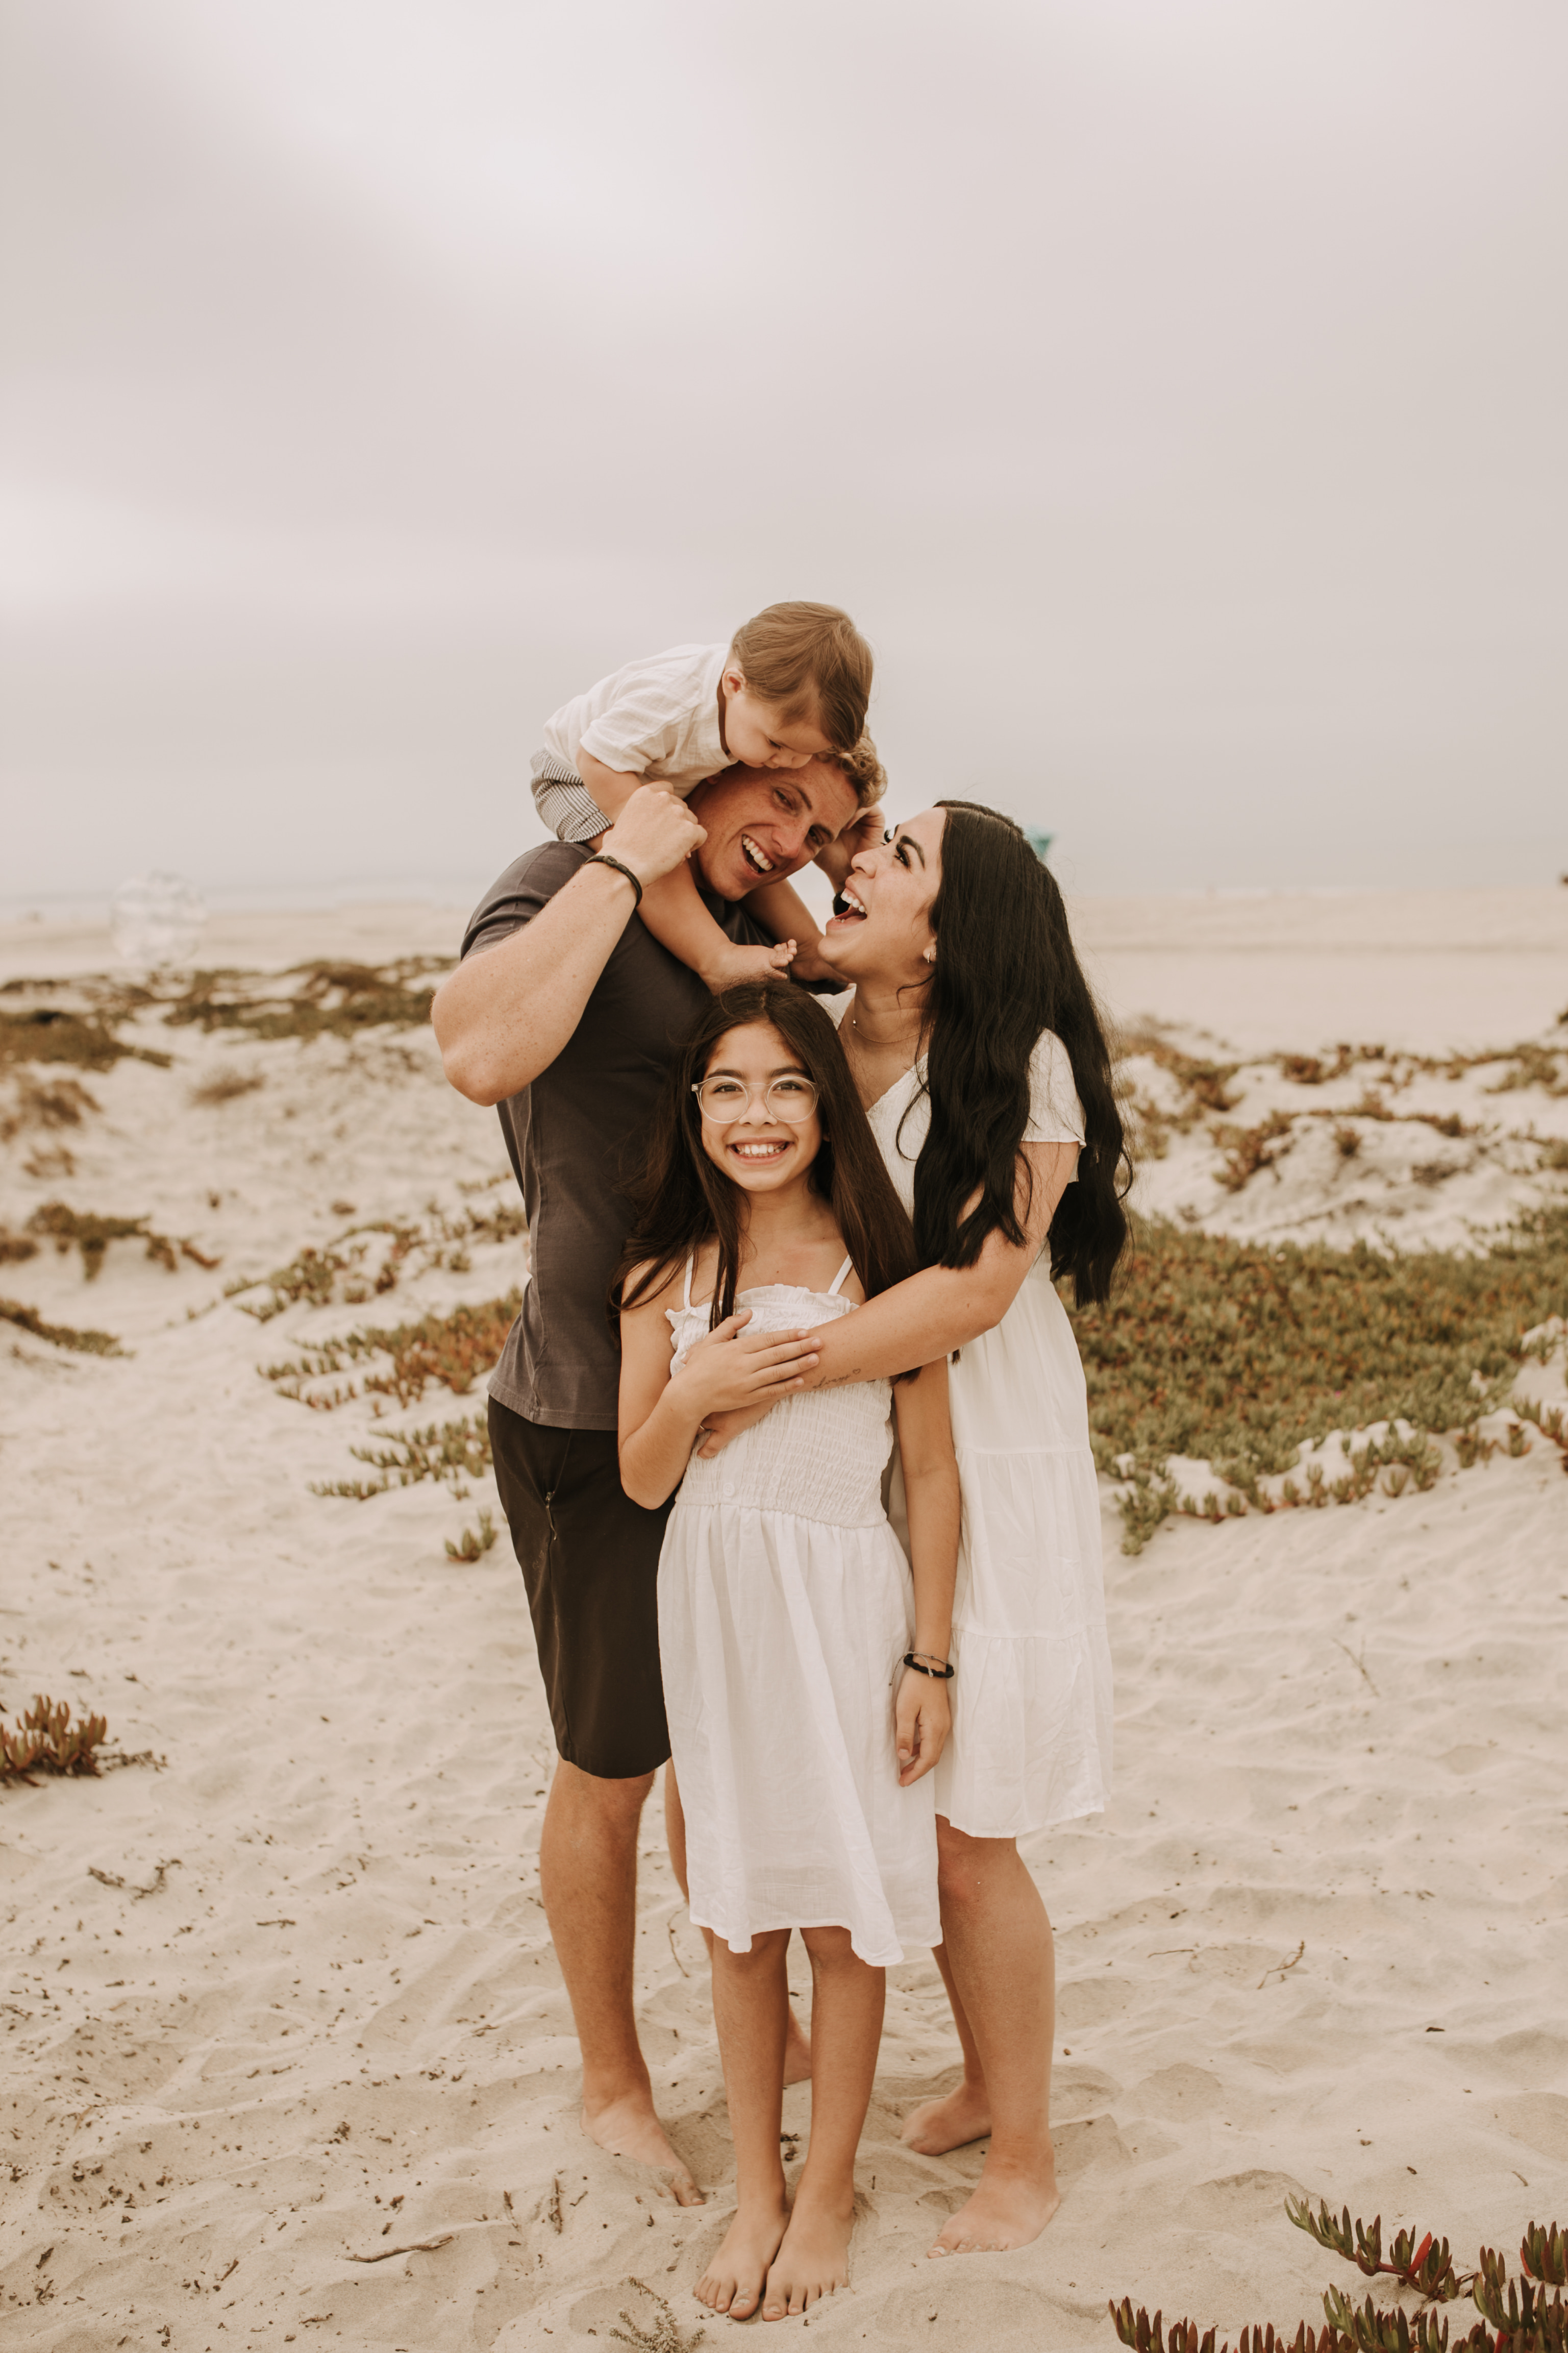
(1040, 843)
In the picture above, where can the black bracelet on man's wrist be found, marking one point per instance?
(600, 858)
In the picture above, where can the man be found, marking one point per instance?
(565, 1014)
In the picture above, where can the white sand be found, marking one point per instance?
(1341, 1732)
(42, 948)
(1430, 971)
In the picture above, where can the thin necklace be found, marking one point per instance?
(855, 1024)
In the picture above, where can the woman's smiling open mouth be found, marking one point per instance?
(849, 907)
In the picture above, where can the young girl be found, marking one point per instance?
(805, 1667)
(791, 687)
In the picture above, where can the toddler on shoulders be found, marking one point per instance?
(791, 687)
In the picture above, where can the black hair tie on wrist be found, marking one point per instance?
(937, 1674)
(600, 859)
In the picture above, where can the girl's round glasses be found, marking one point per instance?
(723, 1100)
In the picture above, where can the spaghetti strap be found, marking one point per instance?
(844, 1270)
(690, 1262)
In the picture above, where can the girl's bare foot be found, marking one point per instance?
(1008, 2208)
(937, 2126)
(628, 2127)
(812, 2260)
(733, 2282)
(797, 2052)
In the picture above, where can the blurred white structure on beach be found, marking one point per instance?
(156, 919)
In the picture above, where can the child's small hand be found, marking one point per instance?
(922, 1719)
(654, 834)
(732, 966)
(868, 829)
(731, 1367)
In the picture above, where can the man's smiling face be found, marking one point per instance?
(764, 824)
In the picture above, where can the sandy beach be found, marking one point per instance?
(1315, 1945)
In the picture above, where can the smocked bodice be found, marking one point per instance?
(820, 1454)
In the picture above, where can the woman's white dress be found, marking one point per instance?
(1031, 1741)
(785, 1608)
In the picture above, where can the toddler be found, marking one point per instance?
(790, 688)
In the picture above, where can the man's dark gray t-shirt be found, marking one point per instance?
(575, 1134)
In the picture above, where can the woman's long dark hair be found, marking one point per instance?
(679, 1198)
(1005, 969)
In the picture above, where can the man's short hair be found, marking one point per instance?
(864, 770)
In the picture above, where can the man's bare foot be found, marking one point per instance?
(733, 2282)
(812, 2260)
(628, 2127)
(797, 2052)
(937, 2126)
(1008, 2209)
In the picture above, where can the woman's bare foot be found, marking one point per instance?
(812, 2260)
(797, 2052)
(733, 2282)
(628, 2127)
(1008, 2208)
(937, 2126)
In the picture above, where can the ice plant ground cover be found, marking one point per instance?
(1246, 1356)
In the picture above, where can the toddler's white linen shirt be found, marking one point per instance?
(659, 717)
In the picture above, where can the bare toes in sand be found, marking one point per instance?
(733, 2282)
(629, 2128)
(937, 2126)
(1005, 2211)
(813, 2261)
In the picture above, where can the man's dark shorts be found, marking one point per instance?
(589, 1558)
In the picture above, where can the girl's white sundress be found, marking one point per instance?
(786, 1606)
(1031, 1741)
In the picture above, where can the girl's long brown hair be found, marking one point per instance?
(679, 1198)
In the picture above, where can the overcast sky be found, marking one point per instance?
(1175, 391)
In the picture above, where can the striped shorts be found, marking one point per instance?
(563, 801)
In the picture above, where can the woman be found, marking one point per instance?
(978, 1051)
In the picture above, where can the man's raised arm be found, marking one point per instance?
(506, 1013)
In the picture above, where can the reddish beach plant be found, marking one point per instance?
(474, 1543)
(48, 1033)
(91, 1235)
(1516, 2317)
(455, 1452)
(59, 1335)
(1250, 1149)
(342, 1269)
(452, 1350)
(45, 1104)
(325, 1001)
(46, 1741)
